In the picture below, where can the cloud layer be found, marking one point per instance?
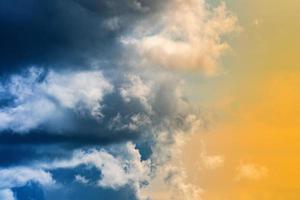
(89, 98)
(73, 111)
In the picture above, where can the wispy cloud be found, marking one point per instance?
(250, 171)
(81, 179)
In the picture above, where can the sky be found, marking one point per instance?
(253, 144)
(149, 100)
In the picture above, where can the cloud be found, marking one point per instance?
(19, 176)
(7, 194)
(83, 34)
(66, 34)
(36, 102)
(181, 189)
(136, 88)
(103, 93)
(116, 171)
(250, 171)
(83, 107)
(81, 179)
(149, 119)
(210, 162)
(188, 36)
(167, 155)
(79, 90)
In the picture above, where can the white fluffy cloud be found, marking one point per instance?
(125, 168)
(38, 101)
(116, 170)
(20, 176)
(188, 35)
(77, 89)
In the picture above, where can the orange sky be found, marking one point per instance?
(262, 132)
(251, 150)
(257, 103)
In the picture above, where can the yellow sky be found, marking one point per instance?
(251, 150)
(257, 100)
(262, 131)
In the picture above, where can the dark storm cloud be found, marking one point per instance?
(15, 155)
(24, 149)
(67, 33)
(72, 140)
